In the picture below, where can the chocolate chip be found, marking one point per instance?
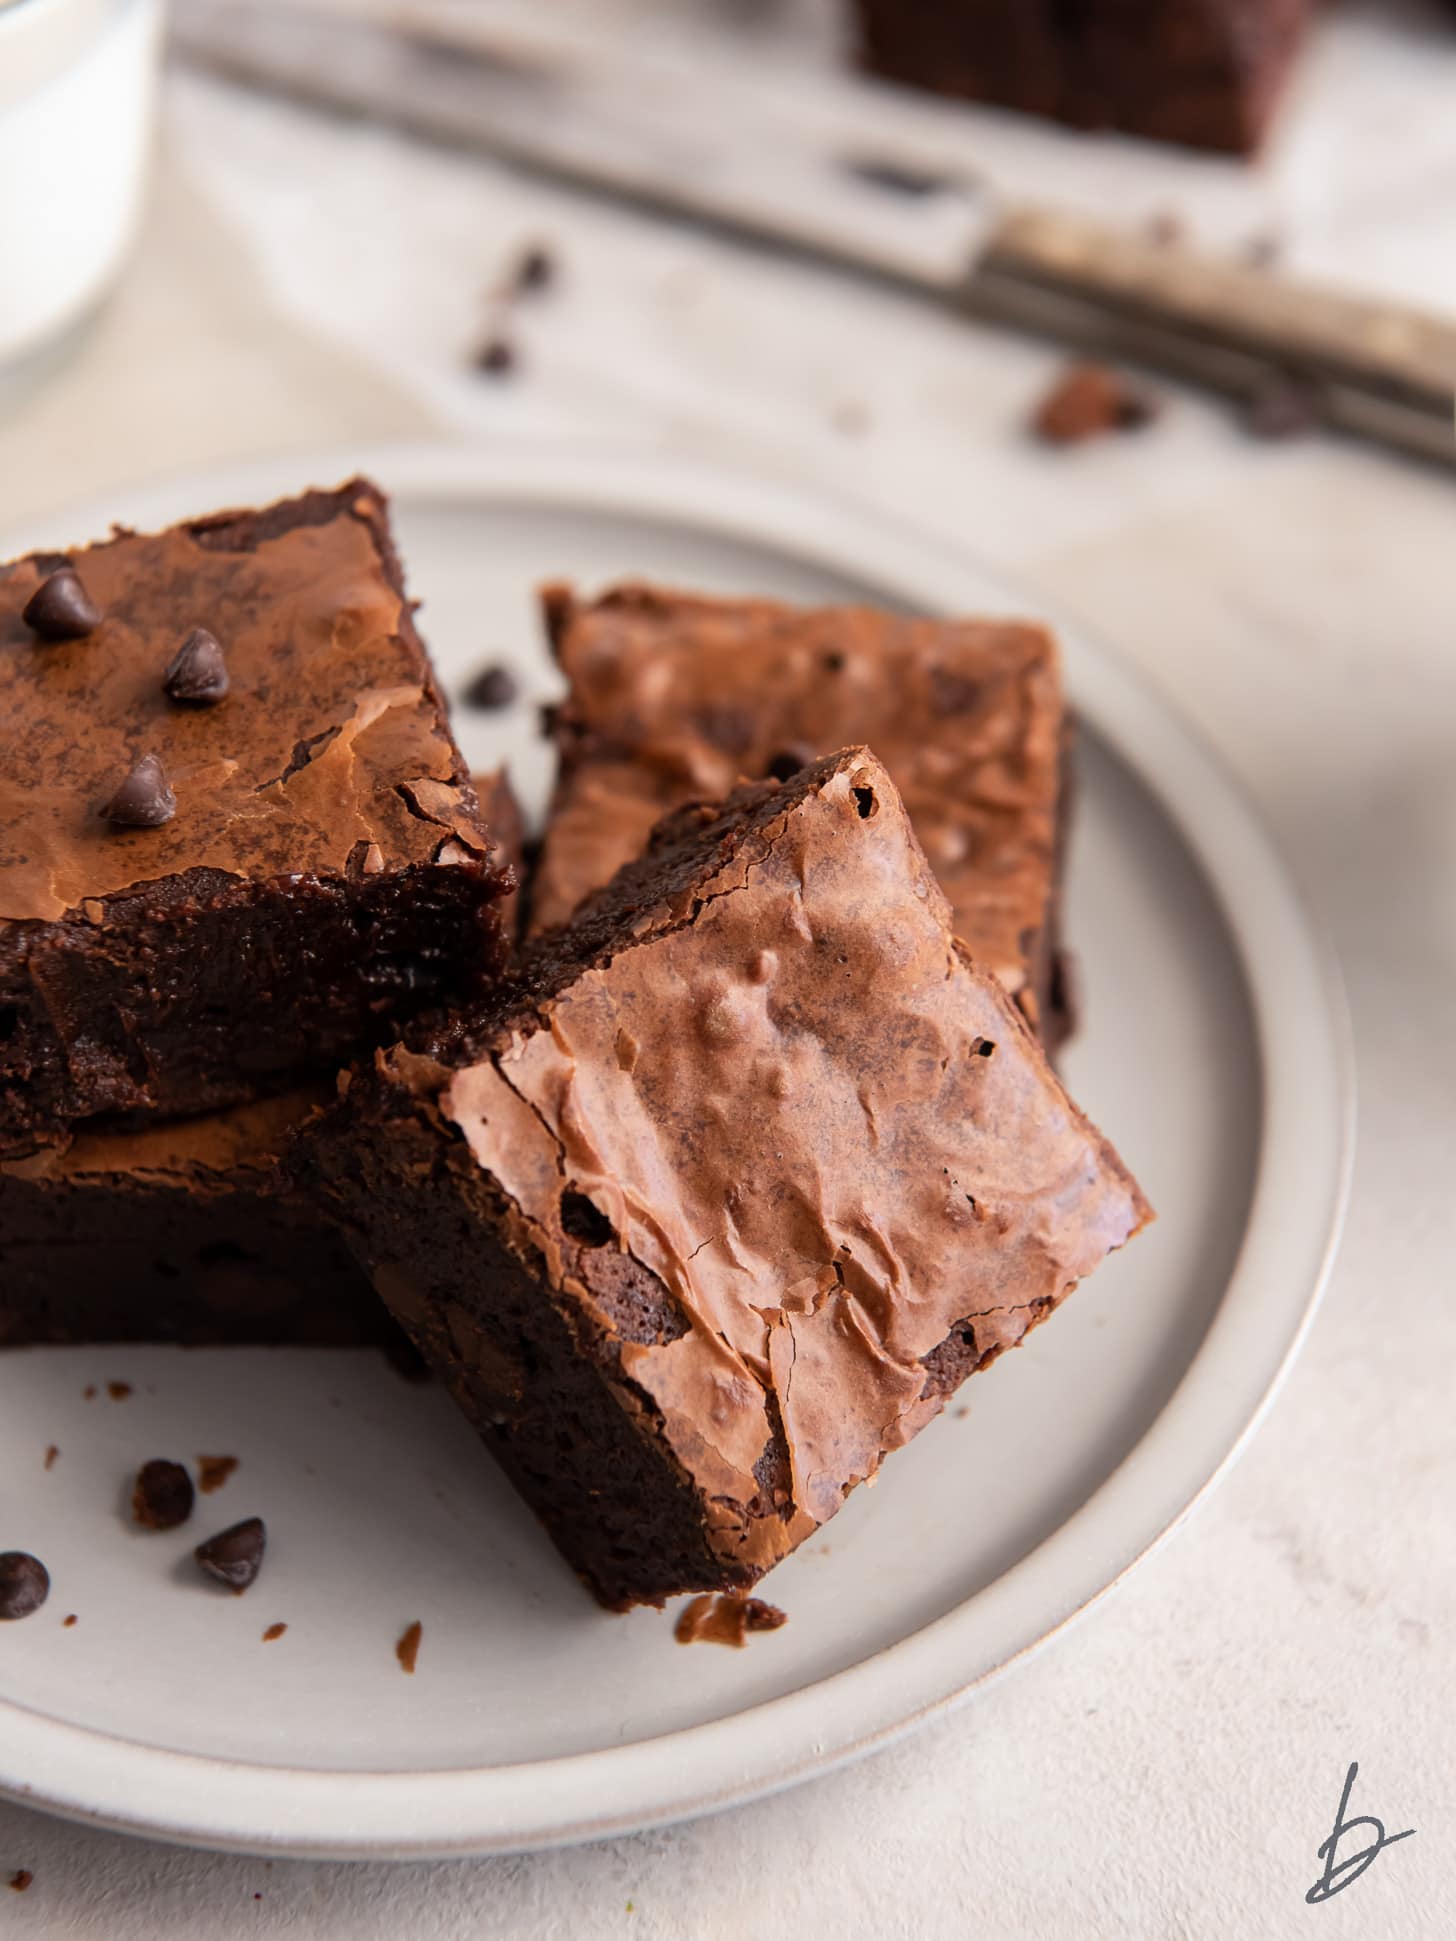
(162, 1496)
(1282, 407)
(496, 357)
(20, 1880)
(61, 609)
(954, 693)
(144, 800)
(492, 688)
(789, 760)
(535, 269)
(235, 1555)
(198, 672)
(25, 1584)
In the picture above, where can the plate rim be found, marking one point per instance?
(1305, 1051)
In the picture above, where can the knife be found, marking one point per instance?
(796, 169)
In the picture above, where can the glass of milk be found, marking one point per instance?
(77, 96)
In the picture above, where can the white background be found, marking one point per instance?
(1169, 1767)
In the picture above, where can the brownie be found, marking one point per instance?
(722, 1196)
(182, 1231)
(1205, 73)
(673, 698)
(177, 1233)
(236, 837)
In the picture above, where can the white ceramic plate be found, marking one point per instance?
(1214, 1056)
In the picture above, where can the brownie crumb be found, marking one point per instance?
(68, 1621)
(25, 1584)
(21, 1879)
(726, 1617)
(496, 357)
(1089, 400)
(494, 687)
(162, 1496)
(213, 1472)
(50, 1456)
(274, 1632)
(408, 1649)
(118, 1391)
(234, 1556)
(197, 675)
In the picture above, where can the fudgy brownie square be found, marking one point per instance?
(675, 698)
(1205, 73)
(236, 837)
(713, 1206)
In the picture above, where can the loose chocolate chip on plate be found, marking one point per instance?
(25, 1584)
(144, 800)
(235, 1555)
(162, 1496)
(198, 672)
(493, 687)
(61, 609)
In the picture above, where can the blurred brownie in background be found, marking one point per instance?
(1204, 73)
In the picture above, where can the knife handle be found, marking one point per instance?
(1218, 321)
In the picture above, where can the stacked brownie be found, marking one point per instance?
(1205, 73)
(237, 845)
(699, 1204)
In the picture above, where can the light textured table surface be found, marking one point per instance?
(1169, 1767)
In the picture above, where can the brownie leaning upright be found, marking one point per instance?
(717, 1204)
(237, 840)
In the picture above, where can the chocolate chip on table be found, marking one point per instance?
(162, 1496)
(492, 688)
(144, 800)
(235, 1555)
(535, 269)
(60, 608)
(25, 1584)
(198, 673)
(496, 357)
(1282, 407)
(1088, 400)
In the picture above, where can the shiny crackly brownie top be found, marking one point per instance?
(675, 698)
(244, 694)
(792, 1098)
